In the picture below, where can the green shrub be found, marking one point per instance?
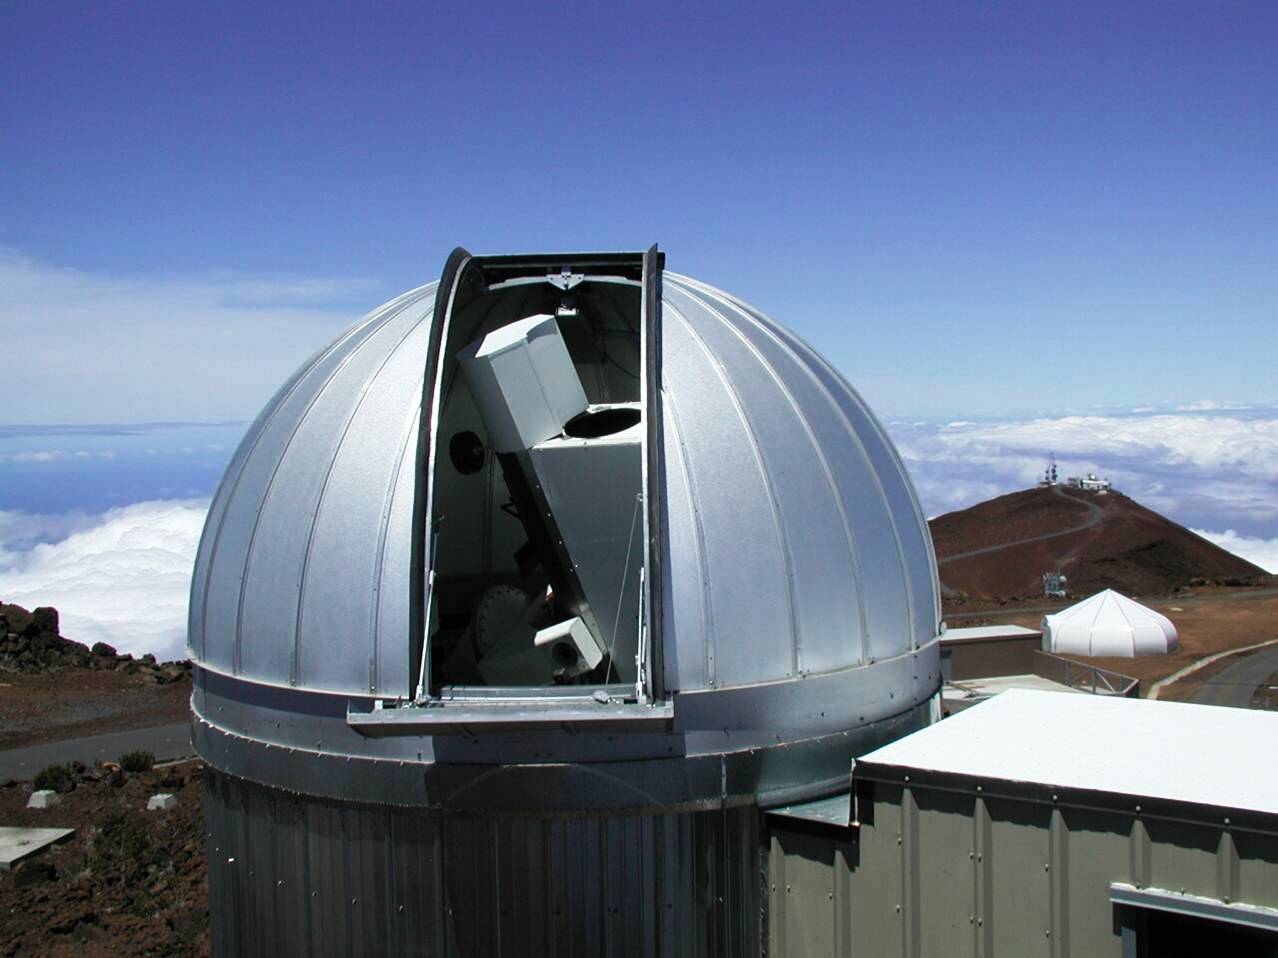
(55, 777)
(120, 844)
(139, 761)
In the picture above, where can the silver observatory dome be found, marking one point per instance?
(559, 535)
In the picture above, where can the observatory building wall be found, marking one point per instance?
(960, 841)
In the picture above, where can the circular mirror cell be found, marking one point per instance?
(602, 422)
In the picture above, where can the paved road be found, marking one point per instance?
(1237, 682)
(164, 741)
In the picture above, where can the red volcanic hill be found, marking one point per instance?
(1000, 549)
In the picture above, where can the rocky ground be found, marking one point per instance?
(53, 688)
(128, 883)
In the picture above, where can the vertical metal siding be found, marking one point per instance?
(956, 873)
(292, 875)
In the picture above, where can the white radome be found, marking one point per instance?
(1109, 624)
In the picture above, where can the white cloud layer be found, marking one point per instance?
(104, 349)
(1208, 468)
(1261, 552)
(121, 578)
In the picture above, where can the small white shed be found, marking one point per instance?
(1109, 624)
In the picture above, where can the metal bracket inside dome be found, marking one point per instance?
(566, 280)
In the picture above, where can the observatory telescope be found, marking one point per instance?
(522, 598)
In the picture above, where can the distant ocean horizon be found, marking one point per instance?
(92, 468)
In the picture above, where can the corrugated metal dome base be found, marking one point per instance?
(295, 876)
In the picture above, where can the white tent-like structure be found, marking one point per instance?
(1109, 624)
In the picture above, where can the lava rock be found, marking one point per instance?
(33, 872)
(45, 619)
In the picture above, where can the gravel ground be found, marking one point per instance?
(128, 883)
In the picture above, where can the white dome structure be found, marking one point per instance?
(1109, 624)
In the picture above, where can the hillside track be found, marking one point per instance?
(998, 550)
(1095, 516)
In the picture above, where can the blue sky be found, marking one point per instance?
(974, 212)
(1016, 228)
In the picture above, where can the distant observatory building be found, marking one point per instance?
(519, 602)
(1090, 483)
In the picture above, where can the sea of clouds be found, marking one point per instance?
(1210, 467)
(121, 575)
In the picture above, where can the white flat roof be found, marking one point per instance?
(1204, 754)
(975, 632)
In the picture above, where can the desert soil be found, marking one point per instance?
(128, 883)
(50, 706)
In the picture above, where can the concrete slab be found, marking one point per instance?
(161, 802)
(17, 844)
(981, 688)
(44, 798)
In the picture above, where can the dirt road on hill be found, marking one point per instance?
(1096, 514)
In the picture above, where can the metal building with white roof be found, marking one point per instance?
(1039, 823)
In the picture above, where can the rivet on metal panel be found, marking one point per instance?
(898, 908)
(978, 788)
(1047, 933)
(1226, 821)
(1137, 809)
(354, 901)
